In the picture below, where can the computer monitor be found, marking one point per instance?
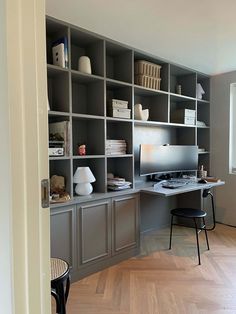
(156, 159)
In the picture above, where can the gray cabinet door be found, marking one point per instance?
(62, 222)
(94, 231)
(125, 216)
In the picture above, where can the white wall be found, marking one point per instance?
(197, 34)
(5, 190)
(220, 119)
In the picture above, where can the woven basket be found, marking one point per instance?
(142, 67)
(147, 81)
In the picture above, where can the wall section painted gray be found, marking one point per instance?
(220, 118)
(5, 190)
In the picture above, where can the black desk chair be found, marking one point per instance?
(60, 283)
(195, 215)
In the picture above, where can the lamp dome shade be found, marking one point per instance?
(83, 175)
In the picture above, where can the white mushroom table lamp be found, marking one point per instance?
(83, 177)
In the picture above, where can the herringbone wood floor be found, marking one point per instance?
(162, 281)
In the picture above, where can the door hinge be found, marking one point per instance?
(45, 193)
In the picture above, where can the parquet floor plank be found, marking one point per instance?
(159, 281)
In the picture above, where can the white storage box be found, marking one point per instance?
(120, 113)
(142, 67)
(185, 116)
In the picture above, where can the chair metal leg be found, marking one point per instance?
(198, 250)
(203, 219)
(58, 302)
(171, 227)
(60, 291)
(67, 288)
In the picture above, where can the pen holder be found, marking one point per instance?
(202, 173)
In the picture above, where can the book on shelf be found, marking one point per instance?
(60, 130)
(116, 147)
(117, 183)
(60, 52)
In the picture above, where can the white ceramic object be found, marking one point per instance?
(84, 65)
(140, 114)
(83, 177)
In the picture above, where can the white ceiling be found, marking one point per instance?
(200, 34)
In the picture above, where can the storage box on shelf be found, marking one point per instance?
(150, 66)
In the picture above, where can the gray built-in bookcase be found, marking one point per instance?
(82, 99)
(99, 230)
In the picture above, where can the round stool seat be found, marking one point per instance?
(59, 269)
(188, 212)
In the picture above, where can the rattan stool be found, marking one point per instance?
(60, 283)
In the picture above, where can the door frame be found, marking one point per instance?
(26, 107)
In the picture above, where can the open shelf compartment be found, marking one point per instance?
(58, 91)
(89, 132)
(97, 166)
(185, 78)
(87, 96)
(85, 44)
(182, 111)
(157, 104)
(61, 168)
(121, 167)
(55, 32)
(118, 62)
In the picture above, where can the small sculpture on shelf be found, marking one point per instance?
(140, 114)
(58, 193)
(81, 149)
(200, 91)
(84, 65)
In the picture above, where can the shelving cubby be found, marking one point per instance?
(120, 130)
(205, 83)
(87, 94)
(138, 56)
(97, 166)
(184, 77)
(58, 89)
(119, 62)
(54, 31)
(85, 44)
(62, 167)
(157, 103)
(178, 103)
(119, 91)
(121, 167)
(203, 112)
(90, 132)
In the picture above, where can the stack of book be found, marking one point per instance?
(116, 147)
(117, 184)
(119, 109)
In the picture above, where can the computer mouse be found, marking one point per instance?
(202, 181)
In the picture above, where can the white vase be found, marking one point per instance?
(84, 65)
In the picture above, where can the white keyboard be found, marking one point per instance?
(172, 184)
